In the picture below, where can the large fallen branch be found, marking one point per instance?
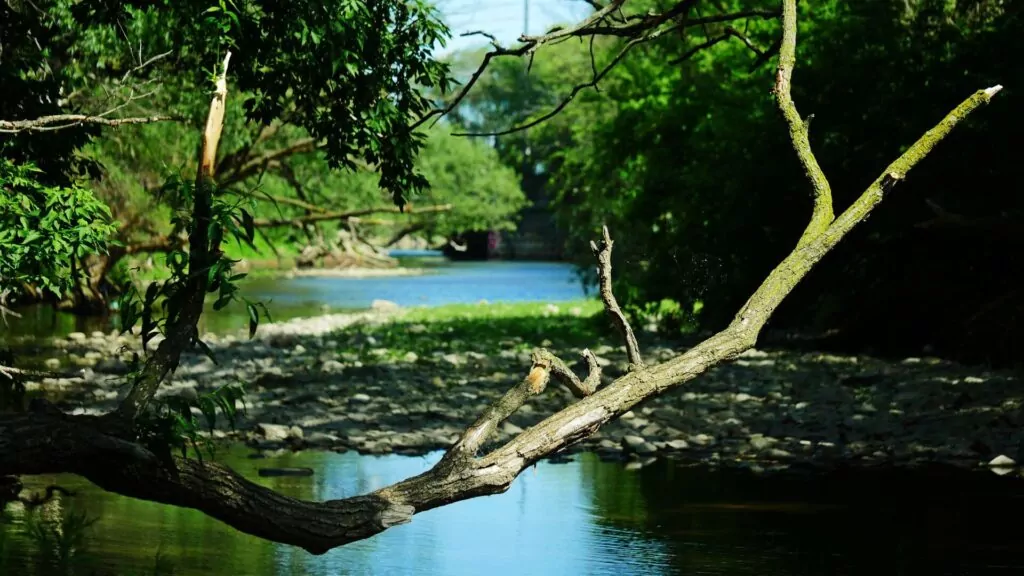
(47, 441)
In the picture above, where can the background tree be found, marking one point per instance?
(699, 162)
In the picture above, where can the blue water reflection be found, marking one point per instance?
(544, 525)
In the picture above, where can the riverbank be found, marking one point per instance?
(408, 381)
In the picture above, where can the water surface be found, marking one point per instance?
(586, 517)
(445, 283)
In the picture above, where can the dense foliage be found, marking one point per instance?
(351, 84)
(690, 161)
(45, 229)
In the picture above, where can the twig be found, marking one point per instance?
(576, 89)
(144, 64)
(272, 222)
(603, 252)
(544, 366)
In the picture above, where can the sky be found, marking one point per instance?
(504, 19)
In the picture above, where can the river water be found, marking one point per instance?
(582, 517)
(444, 283)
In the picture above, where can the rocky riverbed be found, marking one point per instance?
(378, 382)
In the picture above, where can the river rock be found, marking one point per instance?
(52, 364)
(77, 336)
(1002, 461)
(360, 398)
(759, 442)
(332, 367)
(452, 359)
(384, 306)
(632, 442)
(511, 429)
(273, 432)
(678, 444)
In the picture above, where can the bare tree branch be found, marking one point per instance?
(603, 253)
(822, 214)
(61, 121)
(633, 30)
(273, 222)
(266, 160)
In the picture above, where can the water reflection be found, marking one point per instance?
(587, 517)
(545, 524)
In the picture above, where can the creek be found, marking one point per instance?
(586, 516)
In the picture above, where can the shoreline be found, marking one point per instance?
(351, 382)
(354, 272)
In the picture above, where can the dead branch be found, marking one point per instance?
(603, 253)
(4, 310)
(397, 236)
(269, 159)
(299, 221)
(639, 28)
(61, 121)
(182, 333)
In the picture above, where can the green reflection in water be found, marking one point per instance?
(543, 524)
(584, 517)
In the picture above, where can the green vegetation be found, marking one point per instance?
(140, 72)
(689, 161)
(484, 328)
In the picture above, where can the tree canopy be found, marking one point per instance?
(683, 147)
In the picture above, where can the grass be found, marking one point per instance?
(480, 328)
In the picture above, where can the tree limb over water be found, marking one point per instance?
(105, 451)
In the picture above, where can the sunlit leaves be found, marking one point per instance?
(43, 228)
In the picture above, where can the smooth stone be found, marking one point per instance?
(1002, 461)
(678, 444)
(273, 432)
(646, 448)
(52, 364)
(632, 442)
